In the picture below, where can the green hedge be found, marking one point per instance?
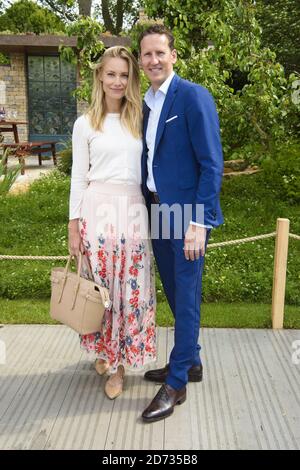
(282, 172)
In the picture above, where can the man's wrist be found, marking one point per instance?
(200, 225)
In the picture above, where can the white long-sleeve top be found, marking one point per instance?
(110, 156)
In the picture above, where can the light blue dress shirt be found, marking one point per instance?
(154, 101)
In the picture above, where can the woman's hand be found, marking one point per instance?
(75, 241)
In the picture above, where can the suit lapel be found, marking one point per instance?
(146, 112)
(165, 110)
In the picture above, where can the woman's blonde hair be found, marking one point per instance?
(131, 107)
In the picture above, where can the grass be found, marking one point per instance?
(218, 315)
(237, 285)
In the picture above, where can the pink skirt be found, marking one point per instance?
(113, 226)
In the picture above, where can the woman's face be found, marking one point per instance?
(115, 77)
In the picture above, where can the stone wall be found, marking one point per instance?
(14, 77)
(15, 96)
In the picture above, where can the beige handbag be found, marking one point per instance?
(77, 302)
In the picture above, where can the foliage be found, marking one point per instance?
(89, 48)
(64, 158)
(27, 16)
(4, 59)
(282, 171)
(64, 9)
(260, 110)
(117, 15)
(280, 22)
(8, 175)
(257, 111)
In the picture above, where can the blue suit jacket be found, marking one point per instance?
(188, 160)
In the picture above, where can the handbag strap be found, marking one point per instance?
(65, 275)
(86, 263)
(104, 292)
(78, 280)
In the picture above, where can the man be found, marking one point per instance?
(182, 165)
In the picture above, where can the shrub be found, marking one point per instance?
(64, 160)
(7, 175)
(282, 171)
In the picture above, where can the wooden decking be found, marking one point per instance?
(52, 398)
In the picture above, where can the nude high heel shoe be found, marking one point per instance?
(101, 366)
(114, 384)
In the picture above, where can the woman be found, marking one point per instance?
(105, 193)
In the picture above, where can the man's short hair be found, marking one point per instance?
(157, 29)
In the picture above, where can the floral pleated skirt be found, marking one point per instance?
(113, 228)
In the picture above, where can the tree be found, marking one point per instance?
(115, 15)
(260, 109)
(26, 16)
(280, 22)
(89, 49)
(66, 10)
(85, 7)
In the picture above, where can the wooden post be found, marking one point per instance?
(280, 263)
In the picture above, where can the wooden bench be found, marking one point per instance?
(25, 149)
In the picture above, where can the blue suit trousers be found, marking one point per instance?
(182, 282)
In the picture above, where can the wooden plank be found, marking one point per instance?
(24, 344)
(84, 408)
(181, 426)
(256, 356)
(23, 420)
(51, 42)
(127, 430)
(52, 398)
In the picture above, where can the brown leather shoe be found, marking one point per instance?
(163, 403)
(159, 375)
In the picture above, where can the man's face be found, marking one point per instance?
(157, 59)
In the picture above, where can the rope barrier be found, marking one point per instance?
(296, 237)
(241, 240)
(210, 246)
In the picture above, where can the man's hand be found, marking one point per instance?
(194, 242)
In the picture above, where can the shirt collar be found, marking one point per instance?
(150, 94)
